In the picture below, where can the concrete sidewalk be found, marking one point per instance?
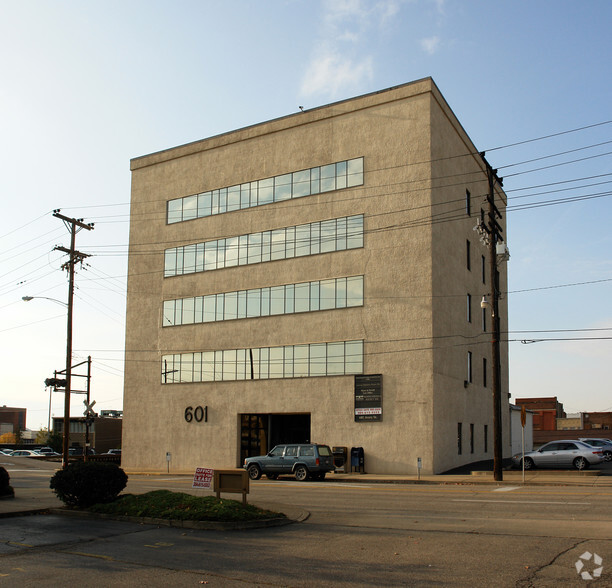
(32, 500)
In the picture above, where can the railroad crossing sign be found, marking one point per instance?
(89, 411)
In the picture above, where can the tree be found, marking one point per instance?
(55, 441)
(42, 436)
(8, 438)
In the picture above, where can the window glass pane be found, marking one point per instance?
(341, 234)
(278, 244)
(354, 232)
(210, 255)
(265, 245)
(231, 252)
(340, 292)
(186, 367)
(328, 178)
(353, 357)
(231, 306)
(252, 364)
(199, 257)
(266, 191)
(289, 242)
(300, 361)
(241, 364)
(218, 366)
(168, 313)
(277, 300)
(315, 174)
(317, 361)
(242, 304)
(229, 364)
(355, 172)
(327, 294)
(197, 367)
(335, 359)
(254, 247)
(302, 240)
(265, 301)
(328, 236)
(220, 253)
(354, 291)
(170, 262)
(289, 294)
(179, 260)
(198, 309)
(175, 211)
(282, 187)
(233, 198)
(189, 263)
(254, 190)
(264, 359)
(301, 183)
(222, 200)
(190, 207)
(288, 370)
(254, 303)
(210, 305)
(315, 238)
(341, 175)
(166, 367)
(215, 202)
(302, 297)
(245, 195)
(204, 204)
(208, 366)
(243, 249)
(220, 307)
(188, 311)
(178, 311)
(276, 362)
(314, 296)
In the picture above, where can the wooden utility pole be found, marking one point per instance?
(74, 226)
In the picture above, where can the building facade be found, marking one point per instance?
(546, 412)
(314, 278)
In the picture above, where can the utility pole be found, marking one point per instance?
(493, 231)
(74, 226)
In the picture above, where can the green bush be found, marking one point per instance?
(84, 483)
(5, 487)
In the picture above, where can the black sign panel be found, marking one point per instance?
(368, 398)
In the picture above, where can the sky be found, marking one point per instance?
(87, 86)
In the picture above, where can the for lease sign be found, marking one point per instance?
(203, 478)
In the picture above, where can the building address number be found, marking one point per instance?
(196, 413)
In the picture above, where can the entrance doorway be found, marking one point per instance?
(261, 432)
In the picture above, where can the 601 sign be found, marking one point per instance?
(197, 414)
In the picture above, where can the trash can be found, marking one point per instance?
(340, 458)
(357, 460)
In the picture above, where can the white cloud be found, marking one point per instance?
(430, 45)
(331, 73)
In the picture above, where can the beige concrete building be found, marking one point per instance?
(273, 266)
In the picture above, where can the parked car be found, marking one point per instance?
(113, 452)
(80, 451)
(565, 453)
(304, 461)
(6, 451)
(47, 451)
(24, 453)
(604, 444)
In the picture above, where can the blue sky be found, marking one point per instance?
(86, 86)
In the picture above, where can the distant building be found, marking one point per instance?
(316, 277)
(546, 412)
(104, 433)
(12, 420)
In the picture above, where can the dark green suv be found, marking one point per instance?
(305, 461)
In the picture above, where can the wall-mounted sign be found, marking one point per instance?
(368, 397)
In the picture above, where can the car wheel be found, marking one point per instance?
(529, 465)
(608, 455)
(254, 472)
(272, 476)
(301, 473)
(580, 463)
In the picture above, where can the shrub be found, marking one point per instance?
(84, 483)
(5, 487)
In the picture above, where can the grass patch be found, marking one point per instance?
(163, 504)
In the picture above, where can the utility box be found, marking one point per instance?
(340, 459)
(357, 460)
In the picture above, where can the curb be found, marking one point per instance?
(200, 525)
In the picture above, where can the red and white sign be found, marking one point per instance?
(203, 478)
